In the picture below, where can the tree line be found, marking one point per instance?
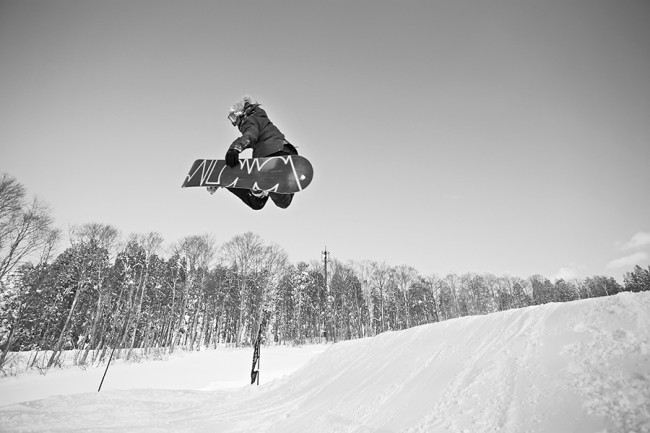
(104, 292)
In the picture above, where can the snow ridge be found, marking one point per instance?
(580, 366)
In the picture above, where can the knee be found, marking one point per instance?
(256, 205)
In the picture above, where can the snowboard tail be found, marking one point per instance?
(285, 174)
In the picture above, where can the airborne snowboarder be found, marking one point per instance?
(261, 135)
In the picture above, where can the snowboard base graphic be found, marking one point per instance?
(285, 174)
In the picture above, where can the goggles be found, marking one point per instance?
(234, 117)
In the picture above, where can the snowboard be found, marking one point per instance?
(286, 174)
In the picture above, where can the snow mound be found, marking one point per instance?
(582, 366)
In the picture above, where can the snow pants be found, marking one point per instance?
(256, 203)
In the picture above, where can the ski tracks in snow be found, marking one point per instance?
(488, 388)
(610, 369)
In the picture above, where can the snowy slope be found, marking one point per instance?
(224, 368)
(574, 367)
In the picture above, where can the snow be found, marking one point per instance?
(208, 370)
(580, 367)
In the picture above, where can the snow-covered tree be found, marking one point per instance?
(638, 280)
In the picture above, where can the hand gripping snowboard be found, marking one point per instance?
(285, 174)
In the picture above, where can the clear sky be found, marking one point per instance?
(507, 136)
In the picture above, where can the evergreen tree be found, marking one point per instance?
(638, 280)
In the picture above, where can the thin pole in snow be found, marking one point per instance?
(255, 370)
(259, 361)
(106, 370)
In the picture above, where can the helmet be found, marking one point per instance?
(241, 109)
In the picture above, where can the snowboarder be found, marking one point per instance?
(260, 134)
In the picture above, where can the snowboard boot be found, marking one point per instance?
(281, 200)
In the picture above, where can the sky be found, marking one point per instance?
(501, 136)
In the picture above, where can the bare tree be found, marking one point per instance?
(381, 275)
(26, 231)
(26, 226)
(434, 283)
(404, 278)
(102, 235)
(364, 271)
(452, 283)
(257, 265)
(198, 252)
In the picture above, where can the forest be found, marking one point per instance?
(135, 294)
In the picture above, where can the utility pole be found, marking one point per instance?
(325, 255)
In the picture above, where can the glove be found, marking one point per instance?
(232, 157)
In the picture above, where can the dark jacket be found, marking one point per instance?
(263, 136)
